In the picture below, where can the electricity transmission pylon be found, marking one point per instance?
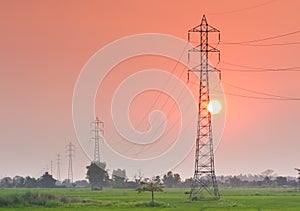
(70, 155)
(58, 167)
(298, 171)
(51, 167)
(98, 132)
(204, 175)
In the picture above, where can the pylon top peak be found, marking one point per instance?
(203, 21)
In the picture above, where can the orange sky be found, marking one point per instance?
(45, 44)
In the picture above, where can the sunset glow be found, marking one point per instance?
(214, 107)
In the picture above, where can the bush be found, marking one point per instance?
(3, 202)
(150, 204)
(64, 199)
(35, 199)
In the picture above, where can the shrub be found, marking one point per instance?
(36, 199)
(64, 199)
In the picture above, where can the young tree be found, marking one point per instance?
(267, 181)
(150, 186)
(267, 173)
(31, 182)
(6, 182)
(171, 180)
(138, 177)
(81, 184)
(177, 180)
(235, 181)
(157, 179)
(281, 181)
(168, 179)
(18, 182)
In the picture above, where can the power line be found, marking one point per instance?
(243, 9)
(170, 110)
(160, 93)
(263, 45)
(257, 69)
(257, 45)
(169, 113)
(260, 71)
(257, 97)
(262, 39)
(177, 118)
(268, 95)
(179, 96)
(272, 96)
(238, 65)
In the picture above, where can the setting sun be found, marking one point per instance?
(214, 107)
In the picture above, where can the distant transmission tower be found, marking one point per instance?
(298, 171)
(51, 167)
(204, 174)
(58, 167)
(98, 132)
(70, 154)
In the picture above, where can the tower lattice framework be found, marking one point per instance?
(58, 160)
(70, 154)
(204, 174)
(98, 132)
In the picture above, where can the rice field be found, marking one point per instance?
(248, 199)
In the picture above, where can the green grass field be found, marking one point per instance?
(249, 199)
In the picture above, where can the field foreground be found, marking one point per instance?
(259, 199)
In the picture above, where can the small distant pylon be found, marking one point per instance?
(298, 171)
(51, 167)
(58, 167)
(70, 155)
(98, 133)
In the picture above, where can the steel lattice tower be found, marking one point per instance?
(204, 174)
(51, 167)
(70, 151)
(58, 167)
(98, 132)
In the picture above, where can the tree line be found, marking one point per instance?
(98, 178)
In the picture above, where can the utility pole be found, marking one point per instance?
(98, 133)
(58, 167)
(204, 172)
(70, 154)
